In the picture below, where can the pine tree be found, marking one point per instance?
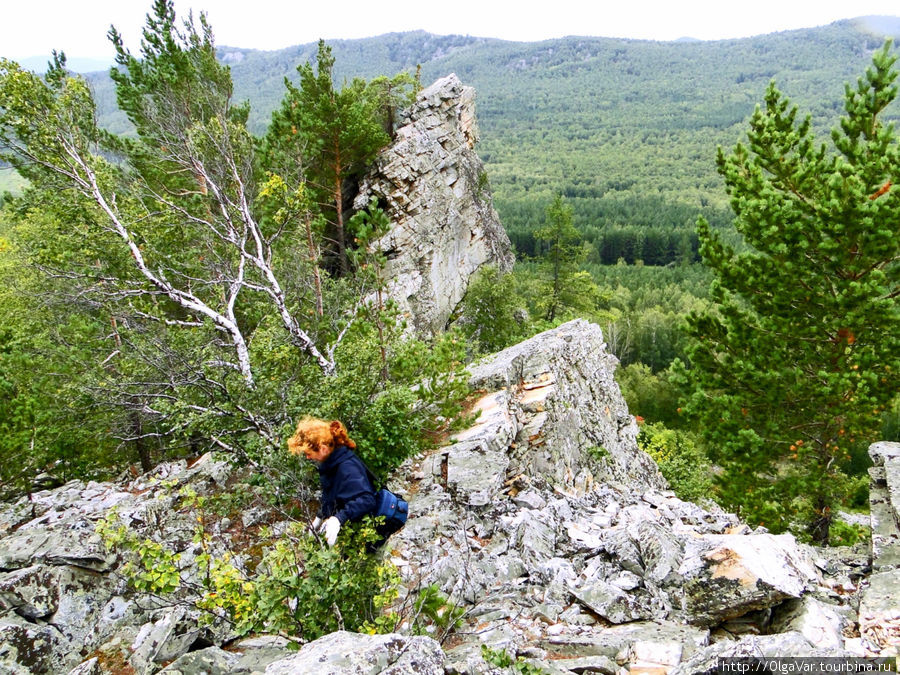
(796, 361)
(336, 132)
(566, 286)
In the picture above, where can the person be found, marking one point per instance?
(347, 491)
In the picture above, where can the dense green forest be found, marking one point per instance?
(133, 339)
(626, 130)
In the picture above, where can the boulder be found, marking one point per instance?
(31, 592)
(164, 640)
(28, 647)
(434, 189)
(819, 623)
(550, 526)
(345, 653)
(725, 576)
(782, 645)
(621, 641)
(209, 661)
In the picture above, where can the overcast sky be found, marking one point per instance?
(34, 27)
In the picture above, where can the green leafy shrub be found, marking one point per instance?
(682, 463)
(847, 534)
(436, 613)
(293, 585)
(500, 658)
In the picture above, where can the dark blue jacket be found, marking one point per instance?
(347, 492)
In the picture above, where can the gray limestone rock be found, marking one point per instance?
(879, 612)
(614, 604)
(164, 640)
(32, 592)
(209, 661)
(619, 640)
(729, 575)
(32, 648)
(434, 189)
(574, 426)
(819, 623)
(588, 664)
(793, 644)
(884, 500)
(344, 653)
(89, 667)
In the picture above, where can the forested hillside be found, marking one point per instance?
(625, 129)
(124, 262)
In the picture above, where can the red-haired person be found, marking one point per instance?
(347, 492)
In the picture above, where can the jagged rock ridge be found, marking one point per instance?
(591, 567)
(434, 188)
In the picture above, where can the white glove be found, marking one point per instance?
(332, 527)
(315, 524)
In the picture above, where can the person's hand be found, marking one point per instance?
(332, 526)
(316, 523)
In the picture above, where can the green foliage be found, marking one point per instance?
(793, 366)
(598, 452)
(337, 132)
(680, 460)
(434, 609)
(890, 425)
(654, 397)
(296, 586)
(847, 534)
(491, 311)
(624, 129)
(394, 418)
(11, 183)
(566, 287)
(500, 658)
(48, 355)
(151, 567)
(169, 288)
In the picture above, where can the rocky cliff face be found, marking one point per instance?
(544, 521)
(434, 188)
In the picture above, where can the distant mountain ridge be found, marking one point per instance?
(626, 129)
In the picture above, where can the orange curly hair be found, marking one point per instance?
(316, 433)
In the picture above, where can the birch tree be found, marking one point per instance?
(180, 199)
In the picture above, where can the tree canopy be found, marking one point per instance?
(796, 362)
(189, 256)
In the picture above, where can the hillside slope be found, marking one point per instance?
(627, 129)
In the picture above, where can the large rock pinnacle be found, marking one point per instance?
(434, 189)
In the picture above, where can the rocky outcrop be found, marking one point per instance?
(343, 653)
(879, 607)
(543, 521)
(60, 599)
(556, 533)
(434, 189)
